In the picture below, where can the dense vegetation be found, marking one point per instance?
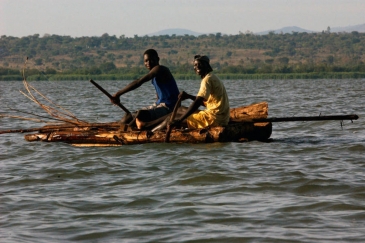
(296, 55)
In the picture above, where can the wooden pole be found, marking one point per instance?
(305, 118)
(169, 128)
(109, 95)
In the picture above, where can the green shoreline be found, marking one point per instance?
(233, 76)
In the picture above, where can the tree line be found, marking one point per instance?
(244, 54)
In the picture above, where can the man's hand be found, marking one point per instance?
(174, 123)
(115, 100)
(183, 95)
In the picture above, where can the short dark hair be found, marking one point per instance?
(205, 61)
(151, 53)
(201, 58)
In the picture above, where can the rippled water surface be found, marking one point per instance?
(307, 185)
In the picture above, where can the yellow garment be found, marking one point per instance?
(216, 102)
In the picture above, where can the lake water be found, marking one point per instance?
(307, 185)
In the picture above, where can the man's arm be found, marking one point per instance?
(185, 96)
(198, 101)
(135, 84)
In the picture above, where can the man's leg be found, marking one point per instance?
(163, 124)
(127, 118)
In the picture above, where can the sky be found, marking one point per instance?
(78, 18)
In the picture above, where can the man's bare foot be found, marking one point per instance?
(140, 124)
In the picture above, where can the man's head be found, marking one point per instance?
(201, 65)
(151, 58)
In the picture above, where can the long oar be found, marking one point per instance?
(169, 128)
(305, 118)
(109, 95)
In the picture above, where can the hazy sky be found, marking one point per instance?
(140, 17)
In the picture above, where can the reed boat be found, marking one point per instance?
(241, 128)
(247, 123)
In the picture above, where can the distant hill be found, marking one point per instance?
(290, 29)
(285, 30)
(359, 28)
(175, 32)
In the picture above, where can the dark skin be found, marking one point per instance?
(161, 73)
(202, 70)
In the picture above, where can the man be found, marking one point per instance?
(165, 86)
(212, 94)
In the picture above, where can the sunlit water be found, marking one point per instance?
(307, 185)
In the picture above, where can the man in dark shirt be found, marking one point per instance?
(165, 86)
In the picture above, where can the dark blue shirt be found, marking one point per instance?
(167, 92)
